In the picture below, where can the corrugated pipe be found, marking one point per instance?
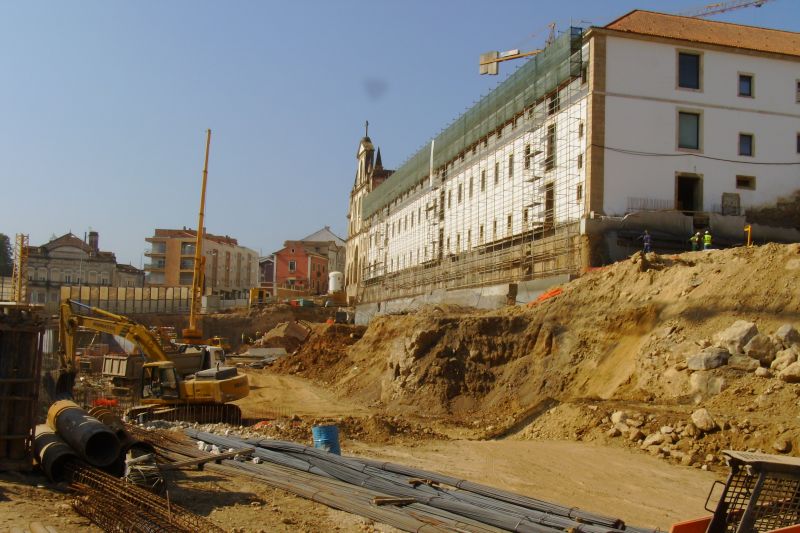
(95, 442)
(52, 453)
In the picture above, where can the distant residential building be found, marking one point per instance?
(70, 261)
(266, 271)
(231, 270)
(326, 242)
(129, 276)
(302, 268)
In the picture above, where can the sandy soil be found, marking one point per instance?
(640, 489)
(272, 394)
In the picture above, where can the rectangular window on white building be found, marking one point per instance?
(689, 130)
(550, 149)
(526, 163)
(509, 222)
(746, 85)
(460, 192)
(746, 182)
(689, 70)
(553, 104)
(496, 173)
(510, 166)
(746, 144)
(797, 91)
(483, 180)
(480, 234)
(579, 192)
(470, 186)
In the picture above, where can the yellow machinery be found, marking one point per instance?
(162, 385)
(192, 335)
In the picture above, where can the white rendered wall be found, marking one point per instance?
(642, 104)
(406, 236)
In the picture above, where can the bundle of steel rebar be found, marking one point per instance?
(116, 505)
(467, 501)
(319, 488)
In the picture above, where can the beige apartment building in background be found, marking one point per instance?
(231, 270)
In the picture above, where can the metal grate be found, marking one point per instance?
(776, 499)
(778, 504)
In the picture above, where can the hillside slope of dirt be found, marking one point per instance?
(615, 338)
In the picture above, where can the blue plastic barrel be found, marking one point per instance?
(326, 438)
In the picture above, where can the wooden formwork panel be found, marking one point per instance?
(21, 331)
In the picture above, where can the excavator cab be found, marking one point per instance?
(160, 382)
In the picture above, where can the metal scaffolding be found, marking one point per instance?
(507, 192)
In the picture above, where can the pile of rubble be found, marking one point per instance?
(742, 347)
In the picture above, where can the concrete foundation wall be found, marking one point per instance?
(489, 297)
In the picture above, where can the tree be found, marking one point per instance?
(6, 258)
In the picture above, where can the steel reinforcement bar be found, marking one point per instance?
(118, 506)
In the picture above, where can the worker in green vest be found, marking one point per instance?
(695, 240)
(707, 240)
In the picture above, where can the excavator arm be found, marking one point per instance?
(96, 319)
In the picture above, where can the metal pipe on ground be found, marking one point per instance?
(95, 442)
(480, 508)
(52, 453)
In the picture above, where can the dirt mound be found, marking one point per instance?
(323, 356)
(618, 334)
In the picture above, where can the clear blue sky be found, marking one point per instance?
(104, 104)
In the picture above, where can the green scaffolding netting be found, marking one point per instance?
(542, 74)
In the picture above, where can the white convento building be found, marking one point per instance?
(659, 122)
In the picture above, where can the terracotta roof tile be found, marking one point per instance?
(708, 32)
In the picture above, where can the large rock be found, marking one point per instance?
(737, 335)
(743, 362)
(653, 439)
(787, 336)
(791, 374)
(711, 357)
(783, 359)
(706, 384)
(760, 347)
(703, 420)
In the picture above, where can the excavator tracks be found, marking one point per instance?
(200, 413)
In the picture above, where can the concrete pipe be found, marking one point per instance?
(52, 453)
(95, 442)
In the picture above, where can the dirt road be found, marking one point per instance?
(291, 395)
(640, 489)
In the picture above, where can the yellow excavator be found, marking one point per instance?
(163, 390)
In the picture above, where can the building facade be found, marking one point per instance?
(70, 261)
(369, 175)
(301, 269)
(654, 121)
(231, 270)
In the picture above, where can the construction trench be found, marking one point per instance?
(607, 406)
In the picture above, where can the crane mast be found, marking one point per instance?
(192, 334)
